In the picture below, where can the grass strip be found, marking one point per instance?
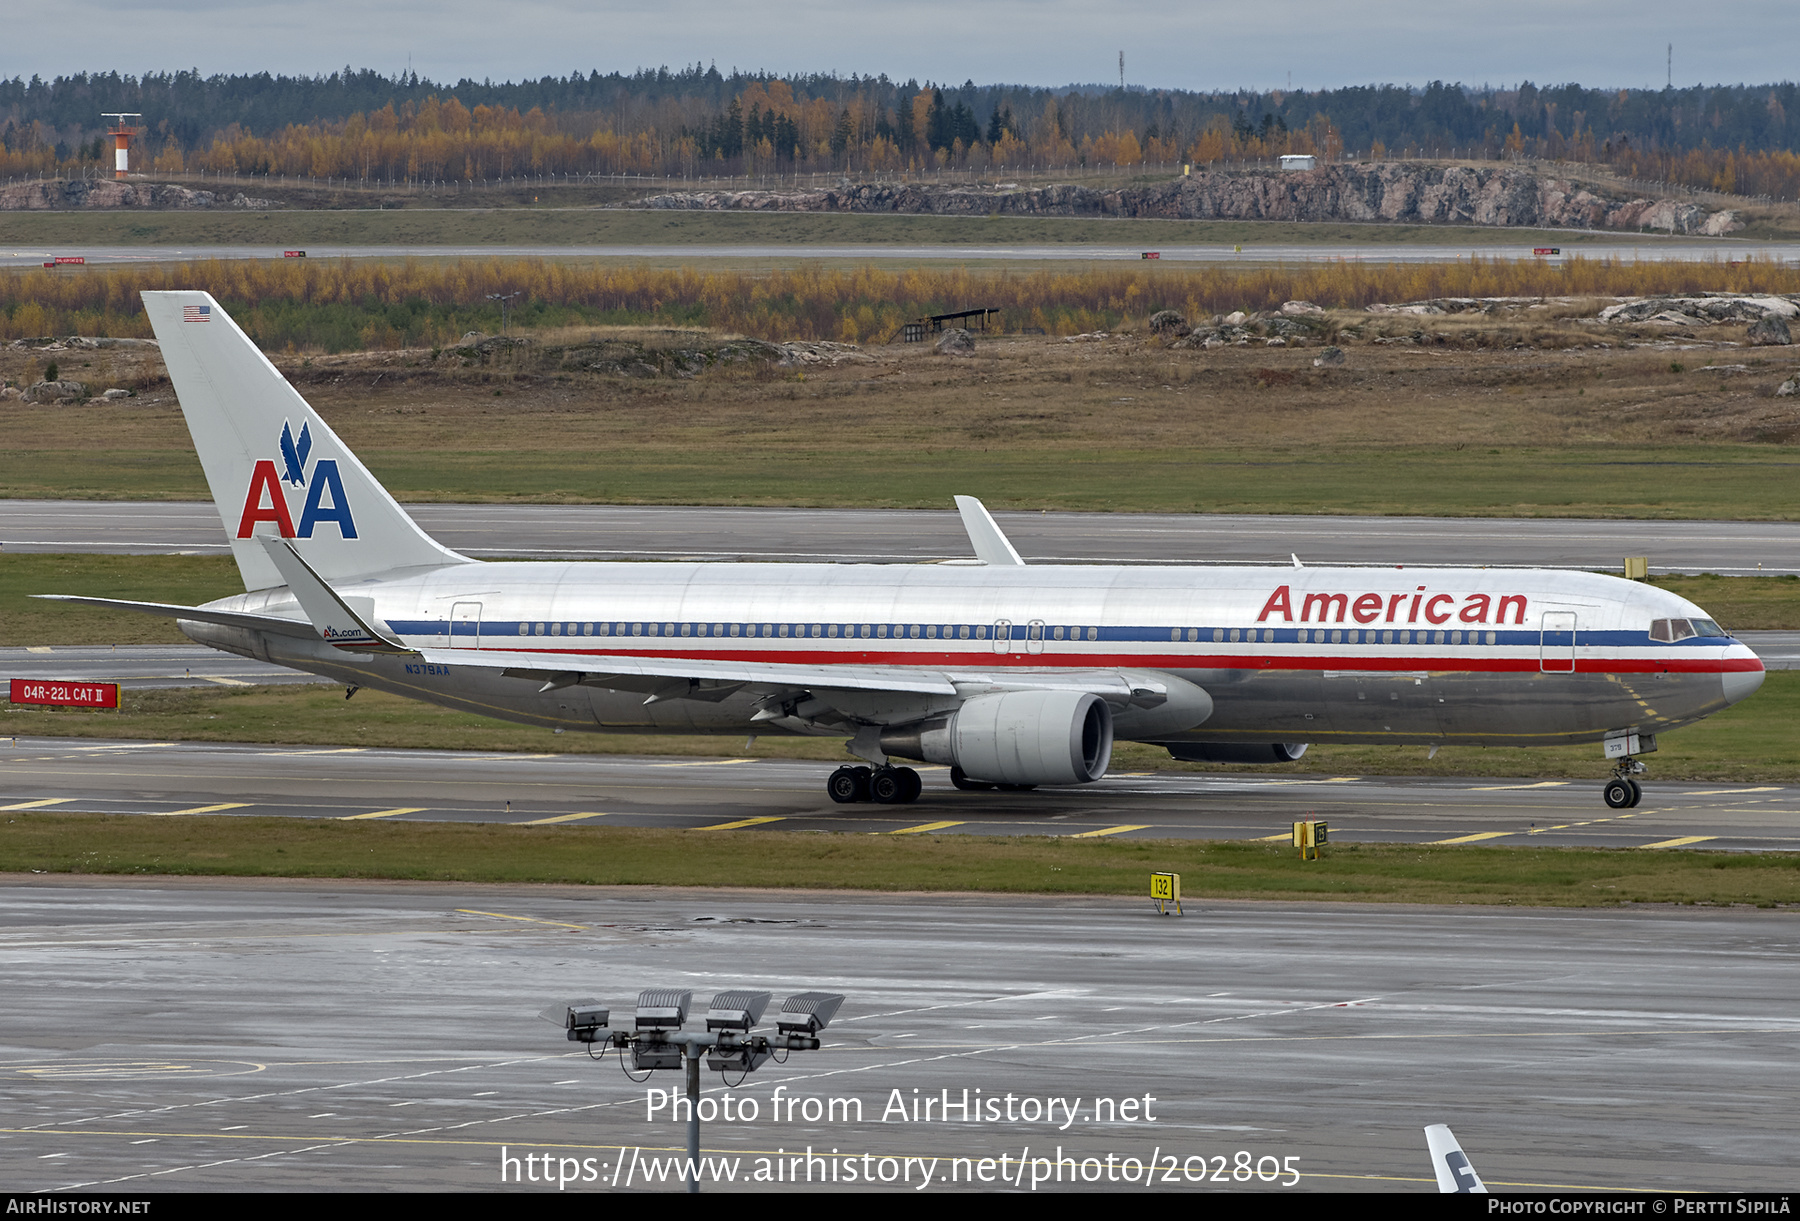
(458, 852)
(853, 470)
(588, 226)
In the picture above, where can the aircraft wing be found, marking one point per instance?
(567, 670)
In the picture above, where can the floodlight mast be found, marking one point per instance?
(656, 1039)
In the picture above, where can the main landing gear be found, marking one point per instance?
(889, 786)
(1623, 792)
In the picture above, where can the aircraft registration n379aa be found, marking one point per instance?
(1014, 675)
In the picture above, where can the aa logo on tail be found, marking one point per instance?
(267, 500)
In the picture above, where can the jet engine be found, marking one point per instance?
(1015, 737)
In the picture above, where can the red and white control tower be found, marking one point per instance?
(121, 134)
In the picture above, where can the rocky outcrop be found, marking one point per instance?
(1389, 192)
(57, 194)
(1169, 323)
(1703, 309)
(54, 343)
(56, 392)
(956, 342)
(1770, 330)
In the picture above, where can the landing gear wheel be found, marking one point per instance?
(914, 785)
(848, 784)
(887, 786)
(961, 780)
(1637, 793)
(1619, 795)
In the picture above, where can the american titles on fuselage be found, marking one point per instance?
(1405, 607)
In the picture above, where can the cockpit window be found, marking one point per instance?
(1669, 631)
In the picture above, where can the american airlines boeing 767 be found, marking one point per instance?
(1014, 675)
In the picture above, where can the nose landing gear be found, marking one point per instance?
(1623, 792)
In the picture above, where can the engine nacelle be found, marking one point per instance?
(1016, 737)
(1236, 752)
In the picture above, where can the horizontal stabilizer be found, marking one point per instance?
(198, 614)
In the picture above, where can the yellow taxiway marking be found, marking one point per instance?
(228, 805)
(924, 826)
(1273, 839)
(1469, 839)
(1110, 831)
(1677, 843)
(1269, 784)
(37, 648)
(742, 822)
(382, 813)
(1542, 784)
(704, 763)
(226, 682)
(538, 822)
(335, 750)
(34, 805)
(1724, 792)
(469, 911)
(126, 746)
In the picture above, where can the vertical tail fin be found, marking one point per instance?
(1454, 1174)
(274, 466)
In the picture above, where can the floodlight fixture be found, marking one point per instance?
(656, 1039)
(663, 1008)
(737, 1057)
(736, 1011)
(807, 1013)
(646, 1055)
(584, 1019)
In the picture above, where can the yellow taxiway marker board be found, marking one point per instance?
(383, 813)
(742, 822)
(1110, 831)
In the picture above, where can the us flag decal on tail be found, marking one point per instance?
(196, 313)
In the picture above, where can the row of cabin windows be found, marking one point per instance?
(978, 631)
(817, 631)
(1338, 636)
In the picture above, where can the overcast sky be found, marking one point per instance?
(1207, 45)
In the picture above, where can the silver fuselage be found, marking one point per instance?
(1477, 656)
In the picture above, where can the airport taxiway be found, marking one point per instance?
(602, 532)
(223, 1035)
(731, 793)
